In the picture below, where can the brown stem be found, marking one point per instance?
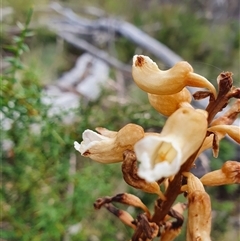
(162, 207)
(225, 82)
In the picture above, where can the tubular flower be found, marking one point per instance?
(151, 79)
(199, 216)
(199, 210)
(162, 156)
(228, 174)
(168, 104)
(109, 148)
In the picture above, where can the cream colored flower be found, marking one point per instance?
(109, 148)
(181, 136)
(151, 79)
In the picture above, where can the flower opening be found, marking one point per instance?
(159, 157)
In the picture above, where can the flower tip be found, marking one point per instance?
(138, 60)
(141, 60)
(76, 145)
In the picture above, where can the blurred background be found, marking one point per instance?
(66, 67)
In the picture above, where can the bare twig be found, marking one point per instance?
(82, 44)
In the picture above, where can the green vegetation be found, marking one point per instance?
(46, 186)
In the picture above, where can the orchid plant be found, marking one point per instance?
(153, 162)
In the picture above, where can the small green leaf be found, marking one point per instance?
(29, 16)
(10, 59)
(25, 48)
(20, 25)
(20, 52)
(17, 39)
(29, 33)
(11, 48)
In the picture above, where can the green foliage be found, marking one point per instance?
(42, 196)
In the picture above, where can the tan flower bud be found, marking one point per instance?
(228, 174)
(199, 209)
(199, 216)
(109, 148)
(151, 79)
(168, 104)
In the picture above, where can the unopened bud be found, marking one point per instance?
(199, 209)
(228, 174)
(199, 216)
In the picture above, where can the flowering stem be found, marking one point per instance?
(162, 207)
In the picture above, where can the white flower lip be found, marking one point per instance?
(90, 138)
(145, 150)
